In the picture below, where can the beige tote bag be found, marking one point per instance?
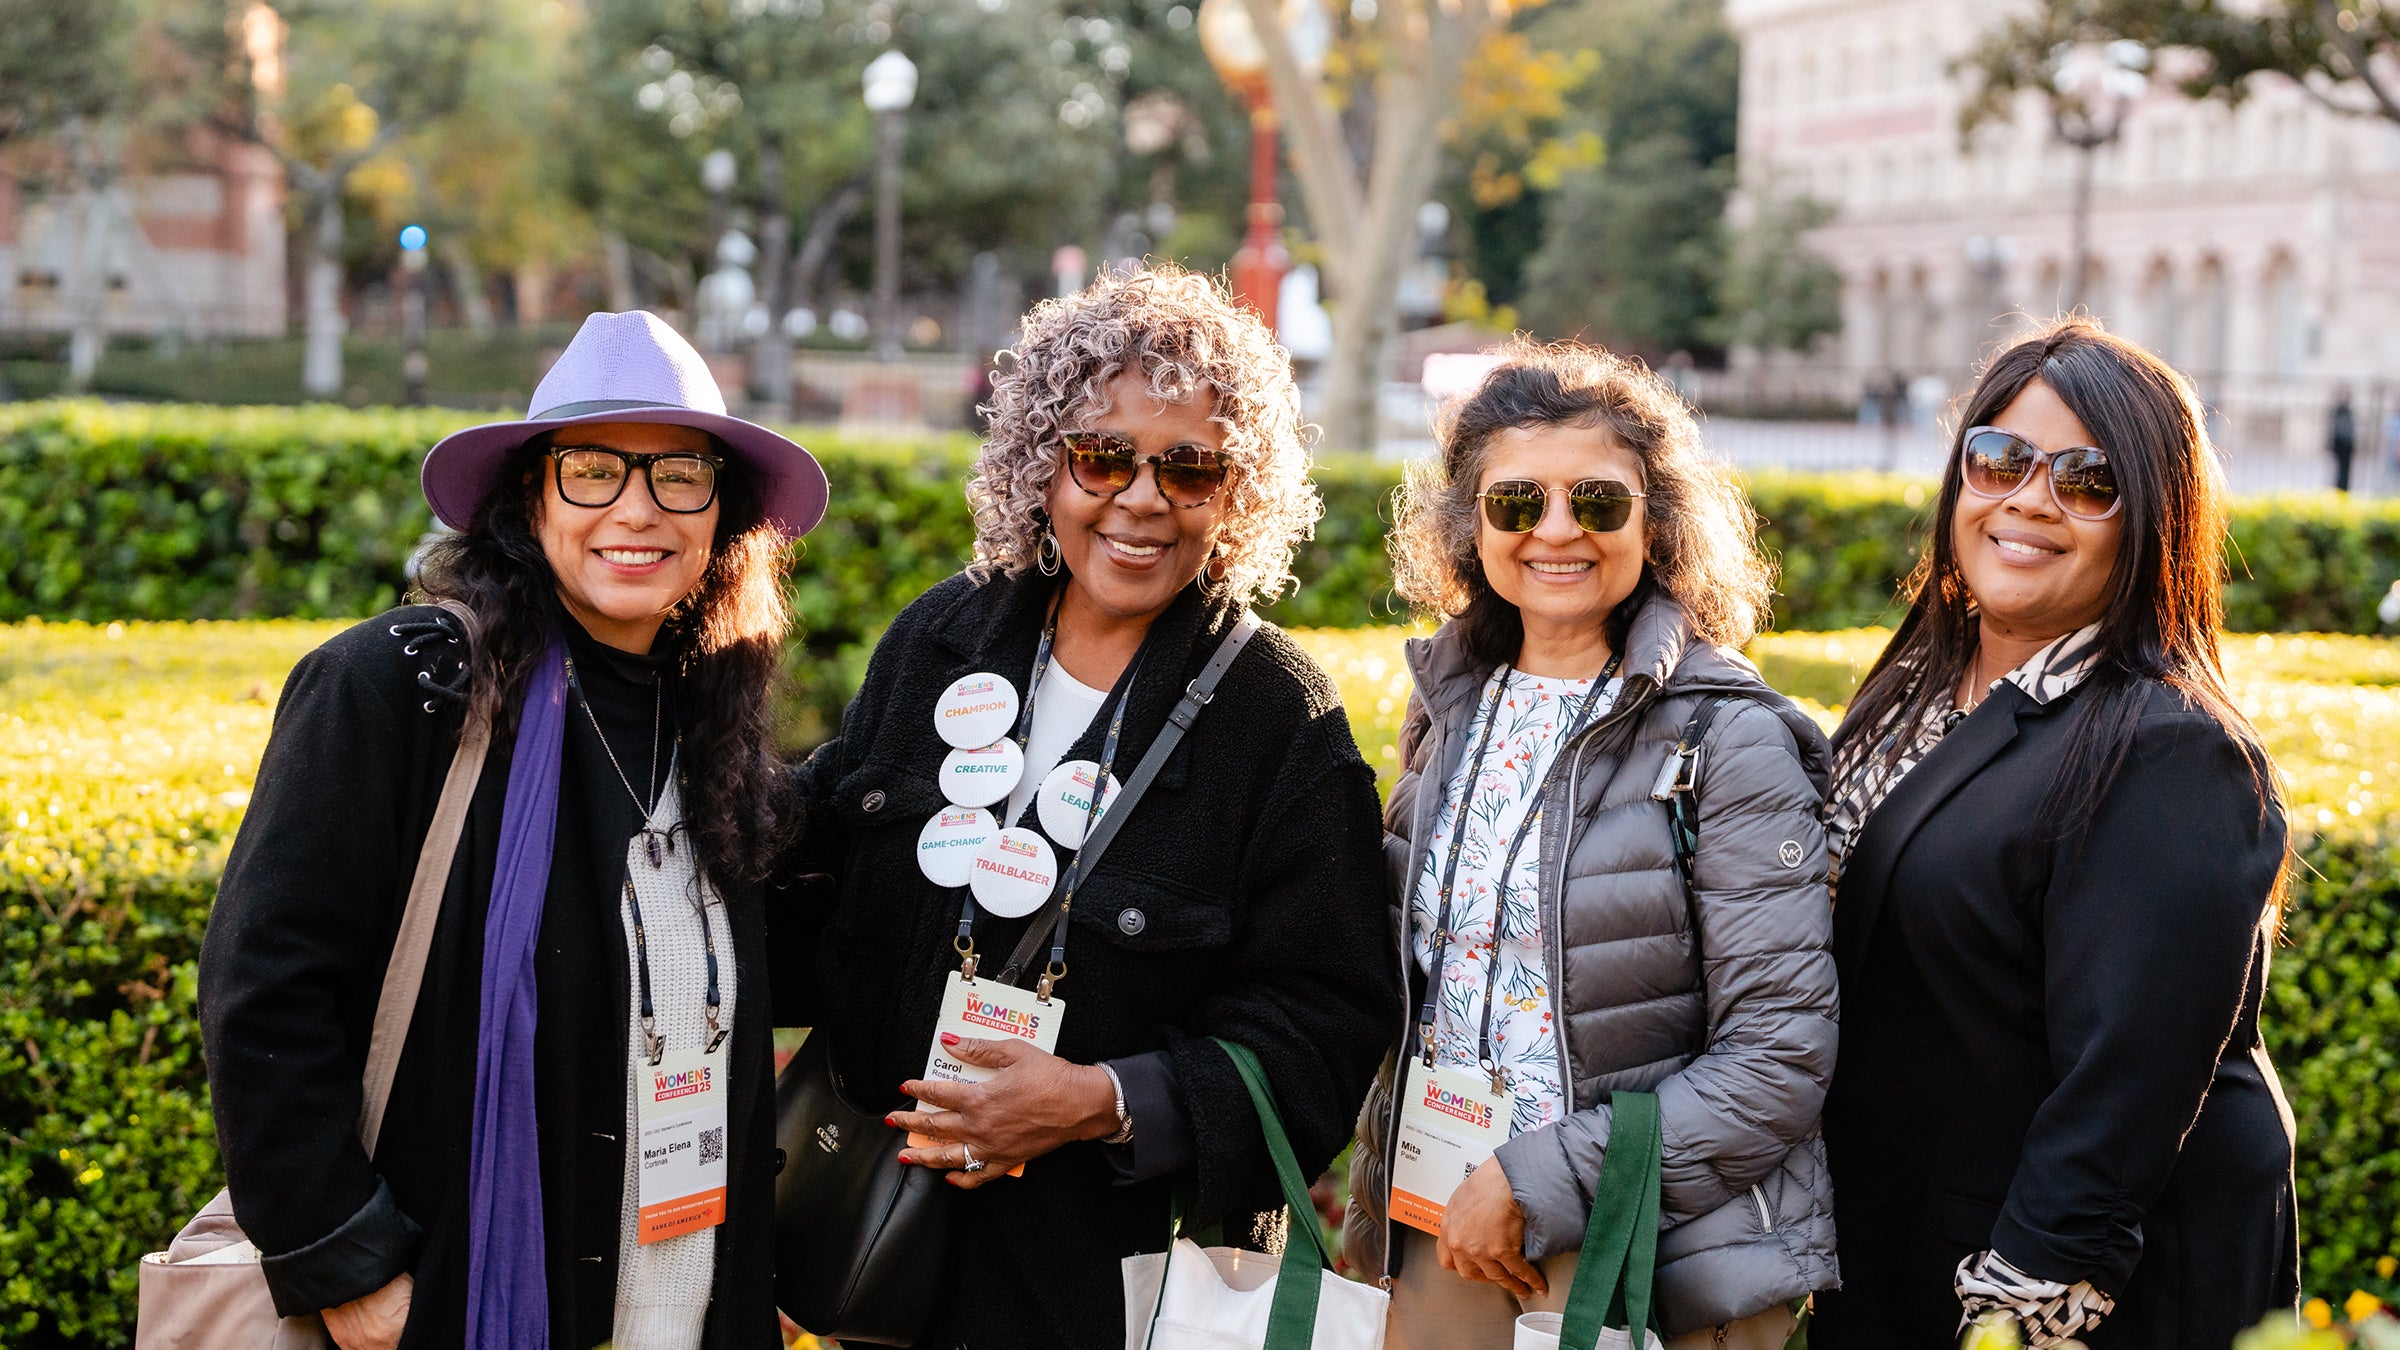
(205, 1291)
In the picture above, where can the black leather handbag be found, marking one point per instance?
(857, 1233)
(859, 1236)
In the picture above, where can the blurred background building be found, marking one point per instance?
(2255, 246)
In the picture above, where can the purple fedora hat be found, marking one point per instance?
(628, 367)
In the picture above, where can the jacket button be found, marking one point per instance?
(779, 1162)
(873, 801)
(1131, 922)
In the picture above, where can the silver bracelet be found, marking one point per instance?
(1124, 1134)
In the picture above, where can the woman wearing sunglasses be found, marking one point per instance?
(1597, 576)
(2059, 851)
(1144, 481)
(621, 553)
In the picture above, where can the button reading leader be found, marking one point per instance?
(1013, 873)
(946, 846)
(984, 775)
(977, 710)
(1064, 803)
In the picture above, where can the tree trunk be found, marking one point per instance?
(87, 292)
(771, 358)
(532, 283)
(817, 245)
(321, 349)
(617, 262)
(466, 283)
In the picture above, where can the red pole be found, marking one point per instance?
(1259, 266)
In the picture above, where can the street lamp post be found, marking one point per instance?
(413, 365)
(1233, 47)
(717, 172)
(891, 85)
(2092, 92)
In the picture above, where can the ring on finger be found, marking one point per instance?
(973, 1163)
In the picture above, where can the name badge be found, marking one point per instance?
(982, 775)
(986, 1010)
(1450, 1121)
(977, 710)
(681, 1102)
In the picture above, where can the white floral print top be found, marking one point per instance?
(1531, 719)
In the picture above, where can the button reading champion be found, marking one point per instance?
(976, 711)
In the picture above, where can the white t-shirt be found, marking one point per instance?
(1062, 707)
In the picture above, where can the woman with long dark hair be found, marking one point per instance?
(595, 988)
(2059, 847)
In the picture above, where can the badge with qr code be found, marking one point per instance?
(682, 1142)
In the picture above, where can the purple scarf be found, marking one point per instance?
(508, 1292)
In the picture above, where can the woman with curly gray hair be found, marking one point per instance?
(1609, 871)
(1144, 481)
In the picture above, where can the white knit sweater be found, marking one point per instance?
(663, 1287)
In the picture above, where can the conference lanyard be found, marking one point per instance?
(1458, 832)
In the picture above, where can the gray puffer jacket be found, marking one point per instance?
(1722, 1004)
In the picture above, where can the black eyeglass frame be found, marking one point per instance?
(1577, 498)
(2043, 460)
(1067, 442)
(558, 471)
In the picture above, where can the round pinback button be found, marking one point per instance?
(1064, 803)
(977, 710)
(946, 846)
(1013, 872)
(983, 775)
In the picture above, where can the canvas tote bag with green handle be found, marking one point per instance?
(1223, 1298)
(1608, 1305)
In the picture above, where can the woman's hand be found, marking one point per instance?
(1483, 1234)
(1035, 1104)
(373, 1322)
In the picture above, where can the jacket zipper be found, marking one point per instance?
(1408, 1012)
(1766, 1219)
(1554, 898)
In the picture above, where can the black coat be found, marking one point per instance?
(2061, 1062)
(294, 959)
(1243, 898)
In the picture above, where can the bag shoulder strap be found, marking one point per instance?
(404, 975)
(1614, 1274)
(1292, 1314)
(1196, 696)
(1679, 782)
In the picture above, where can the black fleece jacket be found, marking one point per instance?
(294, 960)
(1243, 898)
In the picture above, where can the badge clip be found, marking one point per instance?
(656, 1044)
(1049, 980)
(716, 1034)
(968, 960)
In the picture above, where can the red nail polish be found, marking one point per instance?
(891, 1120)
(949, 1039)
(907, 1161)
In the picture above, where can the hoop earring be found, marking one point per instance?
(1048, 558)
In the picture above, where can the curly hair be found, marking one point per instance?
(1703, 535)
(1178, 330)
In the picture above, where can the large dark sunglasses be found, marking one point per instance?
(594, 475)
(1599, 505)
(1104, 463)
(1995, 463)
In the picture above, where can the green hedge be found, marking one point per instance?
(168, 511)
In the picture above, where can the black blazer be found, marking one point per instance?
(1243, 898)
(2062, 1060)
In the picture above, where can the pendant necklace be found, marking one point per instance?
(652, 839)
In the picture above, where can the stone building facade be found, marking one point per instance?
(188, 240)
(2257, 247)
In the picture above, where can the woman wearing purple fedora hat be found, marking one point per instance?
(577, 1146)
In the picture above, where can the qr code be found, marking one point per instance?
(712, 1145)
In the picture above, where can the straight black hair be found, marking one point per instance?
(2164, 605)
